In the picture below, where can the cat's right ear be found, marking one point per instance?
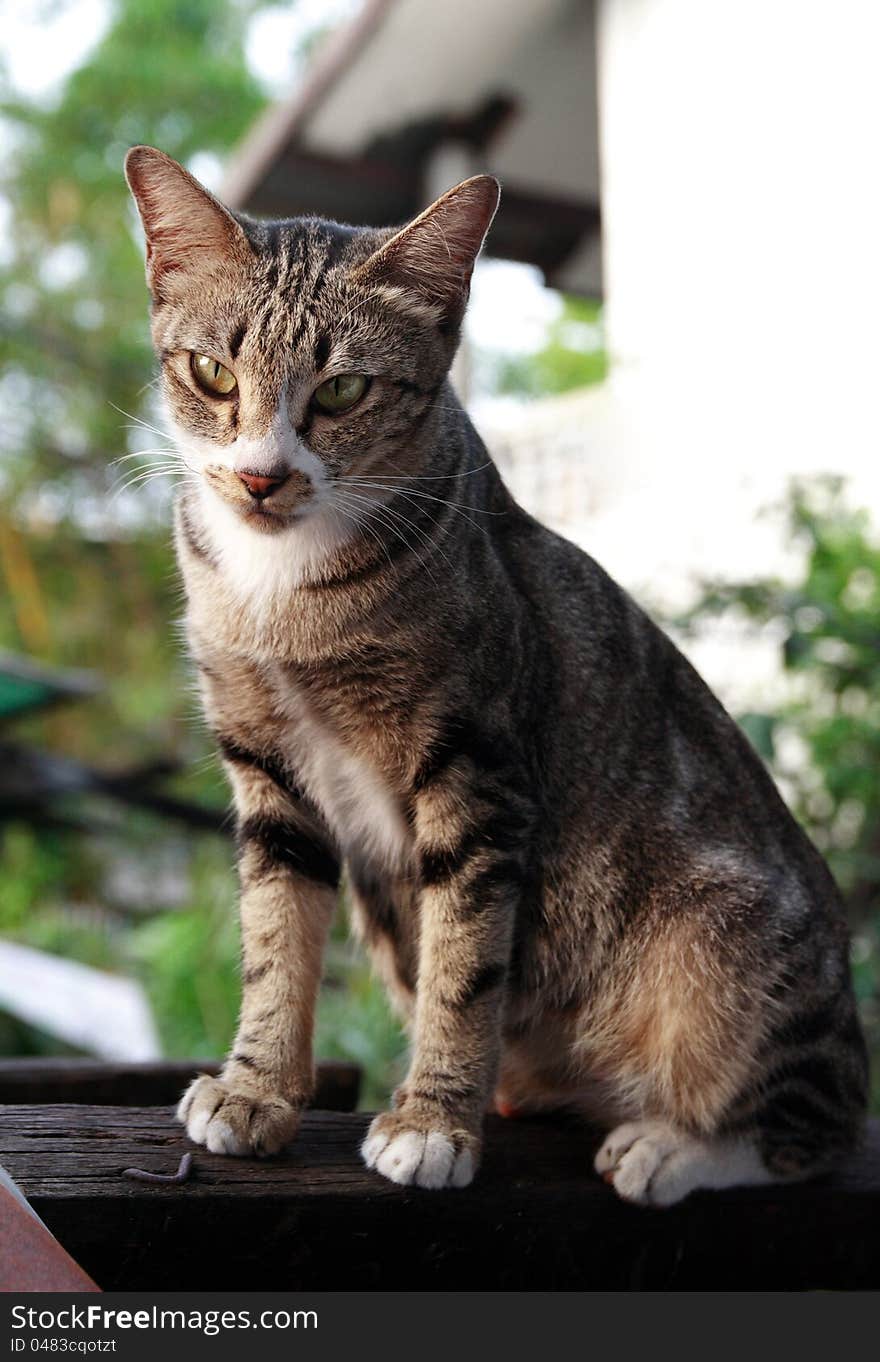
(188, 231)
(432, 258)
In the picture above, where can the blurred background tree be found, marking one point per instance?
(76, 348)
(572, 355)
(82, 560)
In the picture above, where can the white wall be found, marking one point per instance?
(740, 149)
(740, 144)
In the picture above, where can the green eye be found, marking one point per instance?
(340, 393)
(213, 376)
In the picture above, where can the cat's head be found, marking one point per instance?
(296, 353)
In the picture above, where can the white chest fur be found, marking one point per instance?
(262, 572)
(355, 799)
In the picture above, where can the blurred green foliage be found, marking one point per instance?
(823, 740)
(572, 355)
(75, 345)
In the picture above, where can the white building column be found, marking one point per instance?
(741, 220)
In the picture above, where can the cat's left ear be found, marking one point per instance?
(189, 232)
(433, 256)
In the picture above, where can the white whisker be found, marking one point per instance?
(142, 476)
(388, 515)
(143, 454)
(432, 477)
(370, 510)
(352, 516)
(144, 424)
(409, 493)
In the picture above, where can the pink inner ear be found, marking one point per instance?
(185, 226)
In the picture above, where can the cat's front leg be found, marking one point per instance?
(289, 877)
(471, 887)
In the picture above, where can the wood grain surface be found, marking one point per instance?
(536, 1218)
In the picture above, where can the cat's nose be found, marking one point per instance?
(260, 486)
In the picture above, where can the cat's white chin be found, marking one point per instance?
(266, 521)
(265, 559)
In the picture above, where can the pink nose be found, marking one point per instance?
(261, 487)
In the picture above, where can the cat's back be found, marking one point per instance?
(640, 747)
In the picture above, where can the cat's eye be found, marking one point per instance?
(213, 376)
(340, 393)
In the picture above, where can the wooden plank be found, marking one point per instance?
(537, 1218)
(154, 1083)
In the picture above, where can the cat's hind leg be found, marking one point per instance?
(652, 1163)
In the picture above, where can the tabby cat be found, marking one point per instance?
(578, 882)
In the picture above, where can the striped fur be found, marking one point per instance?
(575, 877)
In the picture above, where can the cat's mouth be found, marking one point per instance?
(266, 503)
(267, 521)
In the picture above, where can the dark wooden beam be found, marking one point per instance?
(537, 1218)
(537, 229)
(541, 229)
(155, 1083)
(357, 189)
(282, 124)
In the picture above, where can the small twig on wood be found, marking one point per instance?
(181, 1175)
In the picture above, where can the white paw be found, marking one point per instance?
(654, 1164)
(230, 1121)
(649, 1162)
(428, 1159)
